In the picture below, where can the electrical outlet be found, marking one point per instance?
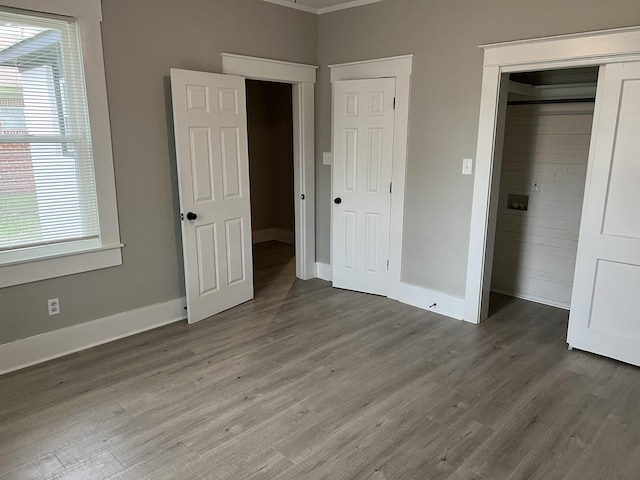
(54, 306)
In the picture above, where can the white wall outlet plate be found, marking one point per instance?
(535, 186)
(327, 158)
(467, 166)
(54, 306)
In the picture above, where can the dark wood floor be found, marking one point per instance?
(309, 382)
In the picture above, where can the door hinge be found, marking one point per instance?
(390, 187)
(387, 264)
(394, 103)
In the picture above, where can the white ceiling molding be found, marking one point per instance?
(302, 5)
(296, 6)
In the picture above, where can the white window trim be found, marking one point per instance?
(58, 261)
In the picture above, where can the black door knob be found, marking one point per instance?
(191, 216)
(337, 201)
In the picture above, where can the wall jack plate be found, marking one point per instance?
(535, 186)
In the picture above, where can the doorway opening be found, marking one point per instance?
(546, 137)
(302, 79)
(271, 173)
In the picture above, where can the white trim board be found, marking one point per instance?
(565, 51)
(303, 78)
(431, 300)
(324, 271)
(268, 69)
(322, 10)
(413, 295)
(58, 343)
(399, 67)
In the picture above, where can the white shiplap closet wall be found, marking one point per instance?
(535, 251)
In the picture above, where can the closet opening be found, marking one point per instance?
(548, 122)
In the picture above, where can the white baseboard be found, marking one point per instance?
(431, 300)
(533, 298)
(414, 295)
(47, 346)
(324, 271)
(269, 234)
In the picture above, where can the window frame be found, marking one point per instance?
(26, 265)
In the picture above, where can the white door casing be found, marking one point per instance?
(604, 315)
(210, 124)
(363, 129)
(302, 79)
(564, 51)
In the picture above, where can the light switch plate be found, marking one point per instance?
(467, 166)
(327, 158)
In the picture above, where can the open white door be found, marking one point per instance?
(210, 122)
(363, 123)
(605, 308)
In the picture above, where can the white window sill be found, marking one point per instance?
(17, 271)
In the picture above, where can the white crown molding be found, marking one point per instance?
(295, 6)
(47, 346)
(344, 6)
(320, 11)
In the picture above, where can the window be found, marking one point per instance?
(50, 171)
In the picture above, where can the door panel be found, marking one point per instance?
(362, 168)
(604, 314)
(213, 176)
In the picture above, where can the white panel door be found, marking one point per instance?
(210, 122)
(363, 123)
(605, 310)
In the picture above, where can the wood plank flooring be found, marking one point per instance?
(310, 382)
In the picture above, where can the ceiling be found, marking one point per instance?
(321, 6)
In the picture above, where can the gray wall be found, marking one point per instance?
(143, 39)
(444, 36)
(270, 126)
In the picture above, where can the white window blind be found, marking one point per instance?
(47, 185)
